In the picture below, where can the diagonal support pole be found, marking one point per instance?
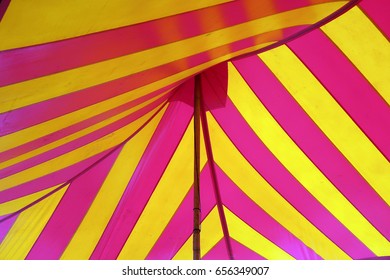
(217, 192)
(197, 210)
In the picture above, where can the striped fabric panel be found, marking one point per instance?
(56, 85)
(298, 133)
(27, 228)
(145, 178)
(314, 144)
(179, 228)
(346, 85)
(70, 211)
(106, 142)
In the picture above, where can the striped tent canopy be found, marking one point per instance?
(97, 129)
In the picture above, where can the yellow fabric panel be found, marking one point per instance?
(211, 234)
(297, 163)
(366, 47)
(29, 23)
(27, 227)
(17, 204)
(51, 86)
(77, 155)
(165, 200)
(331, 118)
(99, 214)
(251, 239)
(232, 162)
(56, 124)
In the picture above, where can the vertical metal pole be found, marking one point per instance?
(197, 211)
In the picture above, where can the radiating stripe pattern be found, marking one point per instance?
(97, 137)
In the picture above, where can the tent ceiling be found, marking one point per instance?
(96, 126)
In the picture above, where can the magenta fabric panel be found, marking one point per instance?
(378, 11)
(314, 143)
(6, 225)
(3, 7)
(275, 173)
(146, 176)
(218, 252)
(247, 210)
(347, 85)
(180, 227)
(70, 212)
(49, 180)
(79, 142)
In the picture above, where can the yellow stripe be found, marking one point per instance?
(17, 204)
(51, 86)
(29, 23)
(250, 182)
(365, 46)
(76, 155)
(95, 221)
(296, 162)
(250, 238)
(27, 227)
(210, 236)
(331, 118)
(56, 124)
(166, 198)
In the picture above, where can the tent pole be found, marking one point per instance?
(197, 211)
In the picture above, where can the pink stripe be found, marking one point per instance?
(79, 142)
(276, 174)
(3, 7)
(69, 213)
(314, 143)
(180, 227)
(378, 11)
(47, 181)
(145, 178)
(358, 98)
(248, 211)
(5, 226)
(41, 60)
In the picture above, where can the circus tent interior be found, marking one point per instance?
(128, 127)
